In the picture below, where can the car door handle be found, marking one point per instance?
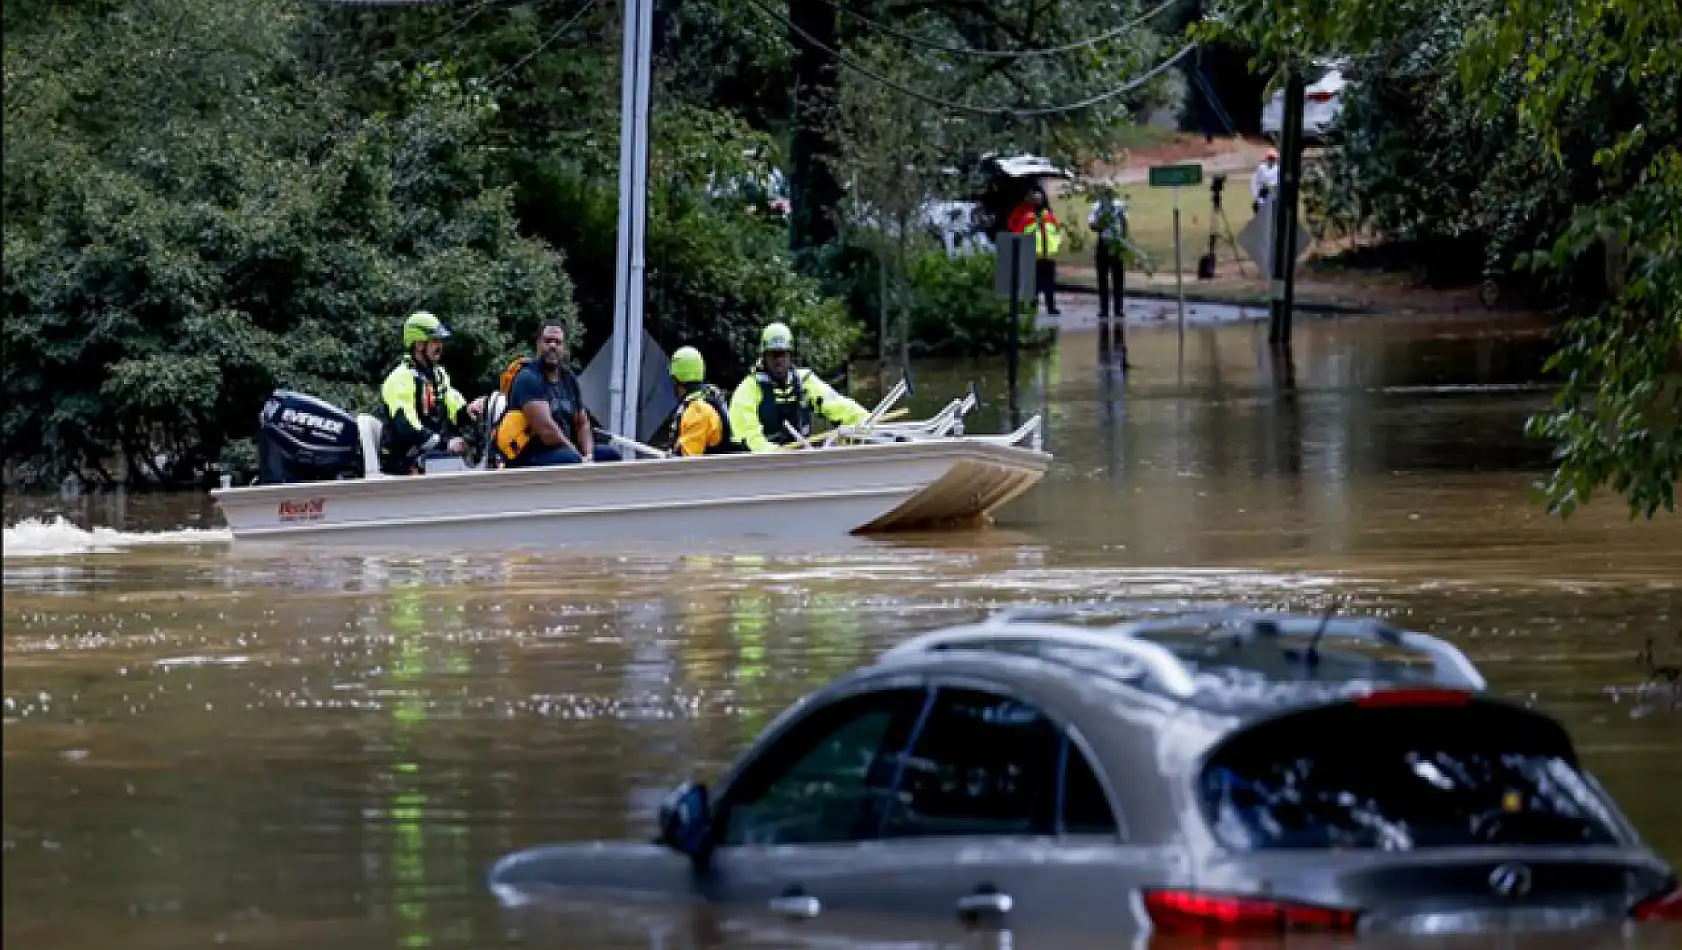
(796, 905)
(985, 902)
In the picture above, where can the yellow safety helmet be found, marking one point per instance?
(422, 326)
(687, 365)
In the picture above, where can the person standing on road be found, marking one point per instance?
(1047, 233)
(1108, 220)
(1265, 182)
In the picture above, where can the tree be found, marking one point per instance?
(890, 155)
(1584, 94)
(719, 268)
(194, 218)
(977, 51)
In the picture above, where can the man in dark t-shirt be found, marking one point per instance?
(547, 392)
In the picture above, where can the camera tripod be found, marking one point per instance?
(1217, 214)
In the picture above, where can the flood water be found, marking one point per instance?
(206, 746)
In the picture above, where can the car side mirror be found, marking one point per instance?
(684, 818)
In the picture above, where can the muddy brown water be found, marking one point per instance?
(211, 746)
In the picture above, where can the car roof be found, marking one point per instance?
(1236, 661)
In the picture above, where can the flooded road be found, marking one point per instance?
(211, 746)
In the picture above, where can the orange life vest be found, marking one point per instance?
(513, 432)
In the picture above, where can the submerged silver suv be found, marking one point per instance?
(1220, 774)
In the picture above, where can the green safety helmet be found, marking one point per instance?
(777, 336)
(422, 326)
(687, 365)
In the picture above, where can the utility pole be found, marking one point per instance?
(625, 370)
(1282, 291)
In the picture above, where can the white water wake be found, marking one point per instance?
(33, 537)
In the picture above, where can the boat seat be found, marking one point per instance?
(369, 430)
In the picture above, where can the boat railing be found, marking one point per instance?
(632, 445)
(1030, 431)
(875, 429)
(894, 395)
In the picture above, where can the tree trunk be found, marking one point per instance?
(882, 319)
(904, 315)
(814, 194)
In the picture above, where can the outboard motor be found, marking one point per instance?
(303, 439)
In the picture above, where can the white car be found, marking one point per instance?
(1322, 102)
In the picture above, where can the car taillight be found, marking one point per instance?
(1319, 97)
(1412, 697)
(1175, 912)
(1666, 906)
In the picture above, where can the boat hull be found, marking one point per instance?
(825, 493)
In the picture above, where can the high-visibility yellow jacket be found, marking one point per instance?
(421, 409)
(759, 408)
(1048, 240)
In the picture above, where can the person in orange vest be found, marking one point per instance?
(1047, 232)
(546, 422)
(700, 425)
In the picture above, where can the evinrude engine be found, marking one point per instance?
(303, 439)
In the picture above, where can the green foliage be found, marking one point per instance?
(206, 200)
(954, 311)
(177, 249)
(948, 302)
(1614, 65)
(1549, 138)
(1467, 190)
(716, 272)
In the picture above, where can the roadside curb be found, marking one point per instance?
(1300, 305)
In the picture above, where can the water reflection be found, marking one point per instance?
(280, 747)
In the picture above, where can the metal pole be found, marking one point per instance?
(1281, 292)
(1179, 278)
(625, 376)
(1015, 300)
(1121, 306)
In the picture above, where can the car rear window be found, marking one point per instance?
(1399, 778)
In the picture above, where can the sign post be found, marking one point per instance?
(1177, 177)
(625, 375)
(1282, 290)
(1013, 267)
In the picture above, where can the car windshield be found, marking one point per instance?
(1399, 779)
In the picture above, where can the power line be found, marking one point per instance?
(462, 23)
(926, 43)
(561, 31)
(481, 7)
(390, 3)
(994, 111)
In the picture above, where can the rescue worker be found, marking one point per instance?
(701, 422)
(776, 393)
(1047, 233)
(547, 422)
(423, 411)
(1108, 220)
(1265, 181)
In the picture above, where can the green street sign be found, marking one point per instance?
(1175, 176)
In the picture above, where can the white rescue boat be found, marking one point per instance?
(875, 477)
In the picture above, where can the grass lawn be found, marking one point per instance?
(1151, 214)
(1140, 136)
